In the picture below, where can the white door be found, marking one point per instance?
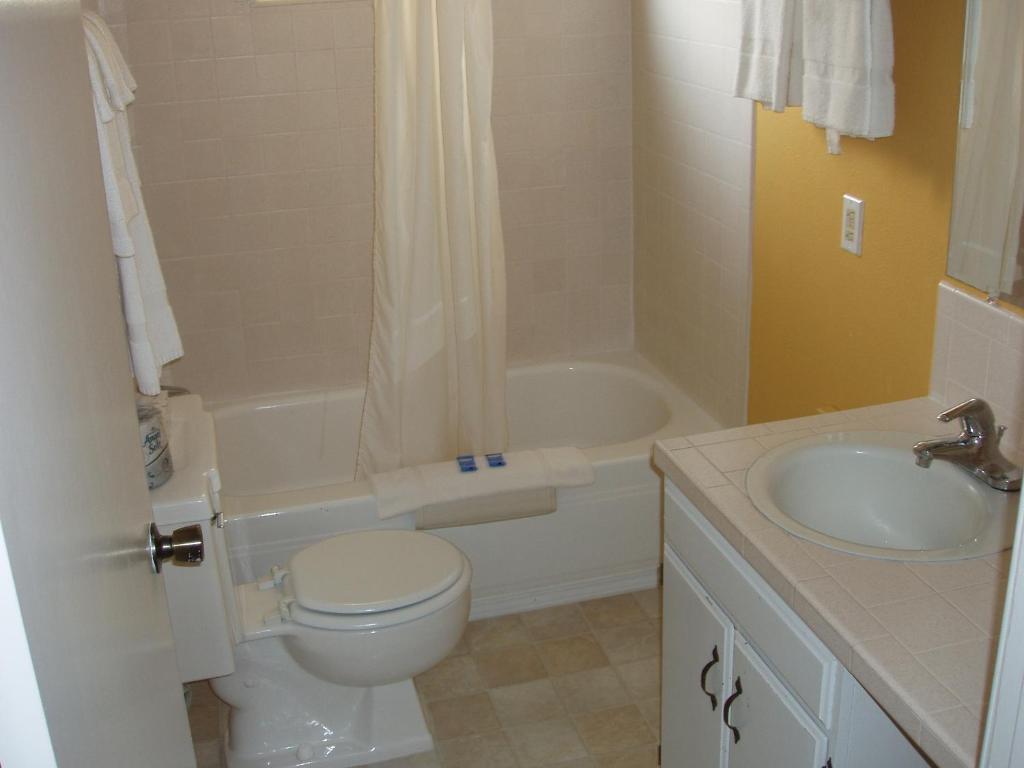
(696, 655)
(73, 502)
(768, 726)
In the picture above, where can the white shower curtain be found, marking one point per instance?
(436, 384)
(989, 198)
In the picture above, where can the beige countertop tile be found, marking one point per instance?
(920, 637)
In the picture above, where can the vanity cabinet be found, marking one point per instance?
(745, 683)
(723, 706)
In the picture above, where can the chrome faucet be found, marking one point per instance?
(976, 449)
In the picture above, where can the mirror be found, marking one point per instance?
(985, 244)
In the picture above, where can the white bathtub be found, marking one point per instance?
(287, 464)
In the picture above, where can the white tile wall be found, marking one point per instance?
(693, 168)
(979, 352)
(254, 136)
(253, 131)
(563, 130)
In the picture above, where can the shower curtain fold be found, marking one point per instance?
(436, 385)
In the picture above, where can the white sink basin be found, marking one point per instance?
(863, 493)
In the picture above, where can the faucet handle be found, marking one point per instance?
(975, 415)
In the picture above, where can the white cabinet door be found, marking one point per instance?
(767, 727)
(697, 640)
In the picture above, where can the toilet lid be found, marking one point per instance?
(371, 571)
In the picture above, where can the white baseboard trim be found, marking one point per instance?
(534, 598)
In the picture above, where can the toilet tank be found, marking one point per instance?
(200, 598)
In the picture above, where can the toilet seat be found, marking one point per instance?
(371, 579)
(382, 619)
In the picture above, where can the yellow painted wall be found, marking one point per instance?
(834, 330)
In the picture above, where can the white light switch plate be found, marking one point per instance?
(853, 224)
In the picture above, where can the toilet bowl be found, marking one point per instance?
(329, 646)
(316, 660)
(364, 608)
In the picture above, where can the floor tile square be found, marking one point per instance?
(650, 602)
(614, 730)
(464, 716)
(651, 710)
(453, 677)
(630, 642)
(592, 689)
(483, 750)
(566, 655)
(613, 611)
(557, 621)
(554, 741)
(500, 632)
(526, 703)
(508, 666)
(642, 678)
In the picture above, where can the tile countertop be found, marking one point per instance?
(920, 637)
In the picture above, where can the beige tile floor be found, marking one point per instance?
(575, 686)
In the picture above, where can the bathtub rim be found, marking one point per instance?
(685, 417)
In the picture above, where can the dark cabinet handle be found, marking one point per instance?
(704, 678)
(728, 706)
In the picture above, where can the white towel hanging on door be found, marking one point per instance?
(153, 338)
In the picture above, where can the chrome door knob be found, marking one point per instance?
(184, 546)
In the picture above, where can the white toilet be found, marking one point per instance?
(315, 661)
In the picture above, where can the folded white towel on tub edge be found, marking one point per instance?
(410, 488)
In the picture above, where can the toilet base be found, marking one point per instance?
(283, 717)
(396, 729)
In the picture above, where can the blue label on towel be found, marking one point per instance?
(467, 463)
(495, 460)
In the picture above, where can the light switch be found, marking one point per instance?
(853, 224)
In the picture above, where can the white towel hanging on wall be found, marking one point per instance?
(847, 74)
(770, 62)
(153, 338)
(833, 58)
